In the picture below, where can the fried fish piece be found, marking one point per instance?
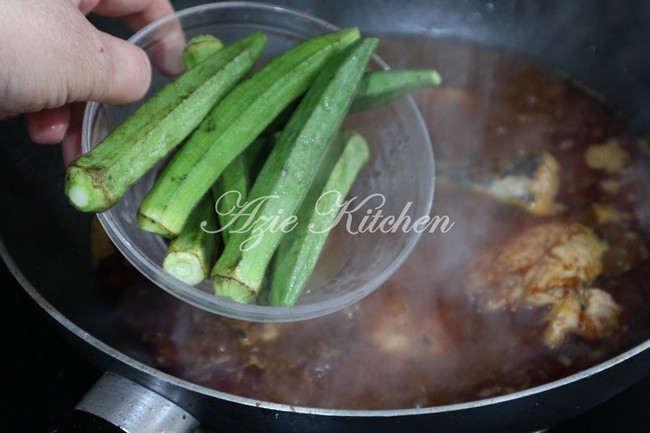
(548, 265)
(530, 182)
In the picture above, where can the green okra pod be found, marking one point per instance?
(288, 172)
(381, 87)
(377, 88)
(96, 180)
(300, 249)
(231, 189)
(231, 126)
(189, 255)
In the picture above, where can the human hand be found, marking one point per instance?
(52, 58)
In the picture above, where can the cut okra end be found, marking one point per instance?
(185, 266)
(231, 288)
(152, 226)
(436, 78)
(84, 193)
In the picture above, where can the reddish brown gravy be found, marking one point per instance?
(419, 340)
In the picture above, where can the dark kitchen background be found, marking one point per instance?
(42, 376)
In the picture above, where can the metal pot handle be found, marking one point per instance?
(118, 405)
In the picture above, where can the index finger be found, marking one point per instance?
(135, 13)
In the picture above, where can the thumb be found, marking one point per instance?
(51, 55)
(121, 72)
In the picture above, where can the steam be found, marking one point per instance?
(432, 344)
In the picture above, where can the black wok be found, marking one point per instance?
(45, 241)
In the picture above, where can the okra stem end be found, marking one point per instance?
(185, 266)
(436, 78)
(231, 288)
(84, 192)
(151, 225)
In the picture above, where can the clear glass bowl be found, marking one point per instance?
(399, 176)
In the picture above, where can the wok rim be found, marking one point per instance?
(96, 343)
